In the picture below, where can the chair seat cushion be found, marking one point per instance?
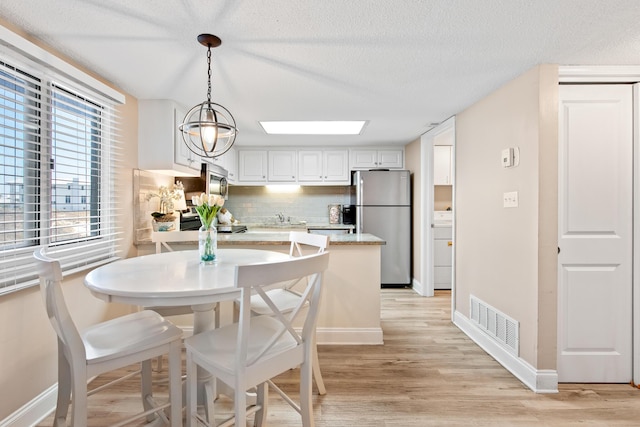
(127, 334)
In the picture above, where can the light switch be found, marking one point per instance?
(510, 199)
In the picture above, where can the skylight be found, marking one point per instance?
(353, 127)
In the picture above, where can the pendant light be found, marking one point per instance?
(209, 129)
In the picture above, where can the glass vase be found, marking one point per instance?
(207, 244)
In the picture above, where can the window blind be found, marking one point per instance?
(59, 147)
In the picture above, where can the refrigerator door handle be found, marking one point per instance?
(360, 189)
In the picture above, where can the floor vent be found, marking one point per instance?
(497, 325)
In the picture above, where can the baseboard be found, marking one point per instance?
(417, 287)
(349, 336)
(34, 411)
(540, 381)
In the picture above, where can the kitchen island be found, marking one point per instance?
(350, 306)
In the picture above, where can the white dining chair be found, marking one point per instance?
(134, 338)
(251, 352)
(287, 296)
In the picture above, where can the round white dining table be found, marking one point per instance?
(177, 278)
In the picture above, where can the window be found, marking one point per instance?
(58, 153)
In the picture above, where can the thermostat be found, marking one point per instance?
(507, 157)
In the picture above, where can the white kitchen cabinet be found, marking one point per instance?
(282, 166)
(252, 166)
(317, 167)
(160, 145)
(442, 257)
(442, 164)
(229, 161)
(376, 158)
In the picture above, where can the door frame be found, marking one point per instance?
(427, 207)
(621, 74)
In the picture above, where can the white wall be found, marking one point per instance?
(28, 352)
(507, 256)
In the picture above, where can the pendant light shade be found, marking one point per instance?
(208, 129)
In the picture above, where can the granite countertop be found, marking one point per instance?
(273, 238)
(282, 238)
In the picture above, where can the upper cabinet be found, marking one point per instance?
(282, 166)
(442, 161)
(443, 157)
(377, 158)
(318, 167)
(229, 162)
(312, 166)
(160, 145)
(252, 166)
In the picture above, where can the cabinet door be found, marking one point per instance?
(252, 166)
(392, 159)
(182, 155)
(336, 166)
(282, 166)
(364, 159)
(310, 166)
(231, 164)
(442, 164)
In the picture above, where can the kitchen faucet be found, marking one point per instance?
(280, 217)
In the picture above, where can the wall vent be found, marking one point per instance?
(496, 324)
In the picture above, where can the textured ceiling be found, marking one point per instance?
(399, 64)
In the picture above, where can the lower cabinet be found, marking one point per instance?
(442, 256)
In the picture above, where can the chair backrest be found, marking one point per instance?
(300, 239)
(253, 278)
(50, 274)
(163, 238)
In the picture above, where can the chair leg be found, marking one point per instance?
(317, 375)
(306, 408)
(192, 393)
(175, 383)
(64, 389)
(240, 405)
(79, 394)
(260, 418)
(146, 388)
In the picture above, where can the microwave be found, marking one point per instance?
(216, 180)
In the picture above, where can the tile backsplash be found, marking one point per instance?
(250, 205)
(145, 182)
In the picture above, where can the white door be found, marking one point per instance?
(595, 234)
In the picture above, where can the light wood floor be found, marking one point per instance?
(427, 373)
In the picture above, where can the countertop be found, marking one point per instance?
(274, 238)
(282, 238)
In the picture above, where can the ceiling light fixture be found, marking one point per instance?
(209, 129)
(317, 127)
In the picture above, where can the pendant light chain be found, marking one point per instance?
(209, 74)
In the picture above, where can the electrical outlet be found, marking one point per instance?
(510, 199)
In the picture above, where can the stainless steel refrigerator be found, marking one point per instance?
(383, 208)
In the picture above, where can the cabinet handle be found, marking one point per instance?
(449, 243)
